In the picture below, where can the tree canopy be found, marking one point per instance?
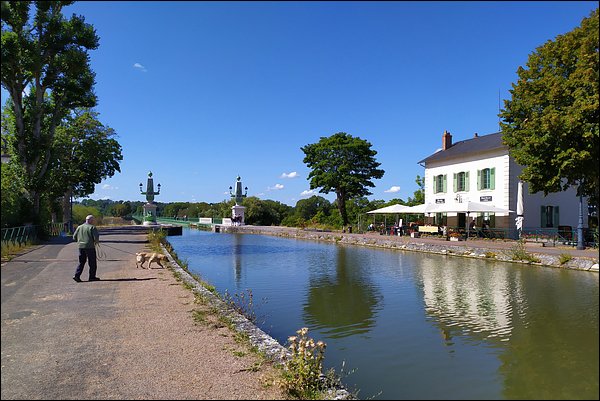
(84, 153)
(46, 71)
(551, 123)
(342, 164)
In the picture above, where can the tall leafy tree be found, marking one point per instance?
(343, 164)
(84, 153)
(551, 123)
(46, 71)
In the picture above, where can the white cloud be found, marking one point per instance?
(140, 67)
(308, 192)
(293, 174)
(108, 187)
(393, 189)
(277, 187)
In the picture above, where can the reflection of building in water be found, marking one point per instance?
(472, 299)
(236, 252)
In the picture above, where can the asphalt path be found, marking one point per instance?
(130, 335)
(50, 323)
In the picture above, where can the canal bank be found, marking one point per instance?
(405, 322)
(564, 257)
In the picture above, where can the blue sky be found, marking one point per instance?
(201, 92)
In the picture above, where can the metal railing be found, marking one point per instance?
(24, 234)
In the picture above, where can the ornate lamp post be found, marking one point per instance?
(150, 206)
(237, 211)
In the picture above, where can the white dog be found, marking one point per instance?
(142, 257)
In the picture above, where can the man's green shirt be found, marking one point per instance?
(86, 236)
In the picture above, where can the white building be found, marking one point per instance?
(481, 170)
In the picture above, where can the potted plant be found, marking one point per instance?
(455, 236)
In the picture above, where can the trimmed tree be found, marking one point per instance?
(342, 164)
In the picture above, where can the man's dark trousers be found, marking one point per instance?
(87, 254)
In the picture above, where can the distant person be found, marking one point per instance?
(87, 237)
(472, 228)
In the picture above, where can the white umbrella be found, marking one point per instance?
(390, 209)
(473, 207)
(423, 208)
(520, 209)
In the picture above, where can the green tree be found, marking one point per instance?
(14, 208)
(343, 164)
(264, 212)
(84, 153)
(120, 209)
(551, 123)
(308, 208)
(419, 195)
(81, 211)
(46, 71)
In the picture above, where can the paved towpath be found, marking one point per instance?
(129, 336)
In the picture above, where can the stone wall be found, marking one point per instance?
(461, 249)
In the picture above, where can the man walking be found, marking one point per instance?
(87, 237)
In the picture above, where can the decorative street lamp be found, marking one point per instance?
(150, 207)
(237, 211)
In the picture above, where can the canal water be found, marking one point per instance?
(407, 325)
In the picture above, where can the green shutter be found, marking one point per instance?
(455, 182)
(479, 180)
(467, 182)
(493, 178)
(555, 220)
(543, 216)
(444, 184)
(434, 184)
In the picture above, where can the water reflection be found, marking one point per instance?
(470, 300)
(341, 302)
(553, 353)
(236, 252)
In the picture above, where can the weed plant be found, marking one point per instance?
(564, 258)
(518, 252)
(303, 376)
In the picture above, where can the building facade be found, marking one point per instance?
(481, 170)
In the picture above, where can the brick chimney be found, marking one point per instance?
(446, 140)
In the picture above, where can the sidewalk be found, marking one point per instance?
(131, 335)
